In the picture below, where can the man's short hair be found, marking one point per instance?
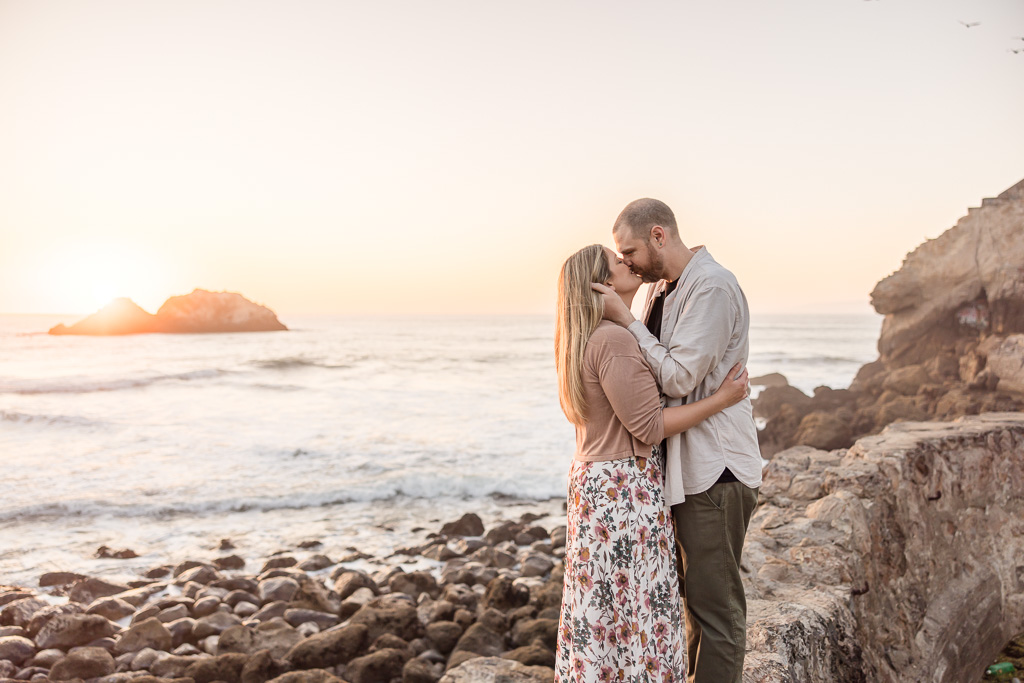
(641, 215)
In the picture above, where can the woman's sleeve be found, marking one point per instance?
(629, 385)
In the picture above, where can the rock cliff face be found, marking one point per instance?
(895, 560)
(198, 312)
(952, 340)
(969, 280)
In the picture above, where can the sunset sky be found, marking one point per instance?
(445, 157)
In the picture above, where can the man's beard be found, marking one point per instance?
(655, 266)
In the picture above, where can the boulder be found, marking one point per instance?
(527, 631)
(214, 624)
(497, 670)
(504, 594)
(46, 658)
(83, 662)
(316, 563)
(16, 649)
(314, 595)
(414, 584)
(482, 641)
(282, 588)
(419, 670)
(444, 635)
(174, 613)
(377, 667)
(772, 379)
(439, 551)
(311, 676)
(278, 563)
(384, 615)
(151, 633)
(66, 631)
(111, 608)
(826, 431)
(770, 401)
(19, 612)
(59, 579)
(271, 610)
(302, 616)
(349, 581)
(229, 562)
(227, 668)
(536, 564)
(237, 596)
(330, 648)
(44, 615)
(181, 630)
(89, 590)
(260, 667)
(205, 606)
(203, 574)
(534, 654)
(174, 666)
(276, 636)
(467, 525)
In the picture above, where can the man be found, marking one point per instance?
(696, 328)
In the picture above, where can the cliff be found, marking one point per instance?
(952, 341)
(198, 312)
(895, 560)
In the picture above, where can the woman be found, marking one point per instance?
(621, 613)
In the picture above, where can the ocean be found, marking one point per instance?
(362, 433)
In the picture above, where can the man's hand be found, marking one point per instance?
(614, 308)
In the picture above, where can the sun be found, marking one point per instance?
(85, 277)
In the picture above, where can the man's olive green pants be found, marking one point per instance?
(710, 528)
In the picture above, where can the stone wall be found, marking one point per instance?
(900, 559)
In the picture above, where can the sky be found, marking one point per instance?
(404, 157)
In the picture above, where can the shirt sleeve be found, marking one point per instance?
(632, 393)
(700, 339)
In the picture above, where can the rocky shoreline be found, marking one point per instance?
(488, 612)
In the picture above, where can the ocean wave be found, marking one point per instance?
(467, 490)
(789, 359)
(48, 420)
(292, 362)
(69, 385)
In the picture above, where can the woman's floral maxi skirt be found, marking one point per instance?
(621, 613)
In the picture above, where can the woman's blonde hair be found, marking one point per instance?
(580, 310)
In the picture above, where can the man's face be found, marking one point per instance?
(640, 255)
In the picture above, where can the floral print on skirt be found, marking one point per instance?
(621, 614)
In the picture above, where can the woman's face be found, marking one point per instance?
(622, 280)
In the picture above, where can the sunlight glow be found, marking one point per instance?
(88, 276)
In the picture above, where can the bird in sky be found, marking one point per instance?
(973, 23)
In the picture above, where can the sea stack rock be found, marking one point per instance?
(203, 311)
(198, 312)
(120, 316)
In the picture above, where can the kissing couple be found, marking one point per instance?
(667, 466)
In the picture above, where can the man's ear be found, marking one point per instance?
(658, 234)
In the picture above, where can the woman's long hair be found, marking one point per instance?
(579, 312)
